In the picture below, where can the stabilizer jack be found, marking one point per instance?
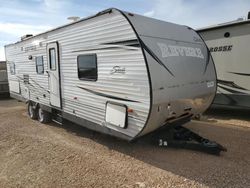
(181, 137)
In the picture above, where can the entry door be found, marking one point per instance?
(54, 74)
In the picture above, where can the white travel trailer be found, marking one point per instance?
(229, 45)
(116, 72)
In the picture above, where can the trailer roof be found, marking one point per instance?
(65, 25)
(227, 24)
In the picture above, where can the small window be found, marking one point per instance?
(87, 67)
(52, 58)
(12, 68)
(39, 65)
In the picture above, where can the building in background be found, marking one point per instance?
(4, 87)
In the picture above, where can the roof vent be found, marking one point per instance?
(73, 18)
(26, 36)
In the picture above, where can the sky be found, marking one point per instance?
(20, 17)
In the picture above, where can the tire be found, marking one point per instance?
(32, 112)
(43, 116)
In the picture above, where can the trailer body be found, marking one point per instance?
(116, 72)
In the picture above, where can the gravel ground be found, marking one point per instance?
(36, 155)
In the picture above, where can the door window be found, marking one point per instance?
(52, 58)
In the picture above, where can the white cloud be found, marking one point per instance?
(14, 11)
(2, 54)
(149, 13)
(17, 29)
(13, 31)
(18, 18)
(56, 5)
(198, 13)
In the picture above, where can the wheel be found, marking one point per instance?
(43, 116)
(32, 112)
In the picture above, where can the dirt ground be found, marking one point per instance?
(36, 155)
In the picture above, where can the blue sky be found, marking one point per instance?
(19, 17)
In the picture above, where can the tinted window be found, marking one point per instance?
(87, 67)
(52, 58)
(39, 65)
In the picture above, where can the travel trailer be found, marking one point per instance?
(115, 72)
(229, 45)
(4, 87)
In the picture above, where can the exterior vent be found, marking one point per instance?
(26, 79)
(26, 36)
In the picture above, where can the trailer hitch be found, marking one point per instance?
(181, 137)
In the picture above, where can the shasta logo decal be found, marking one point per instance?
(172, 50)
(118, 69)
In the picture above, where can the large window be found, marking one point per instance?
(39, 65)
(52, 58)
(87, 67)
